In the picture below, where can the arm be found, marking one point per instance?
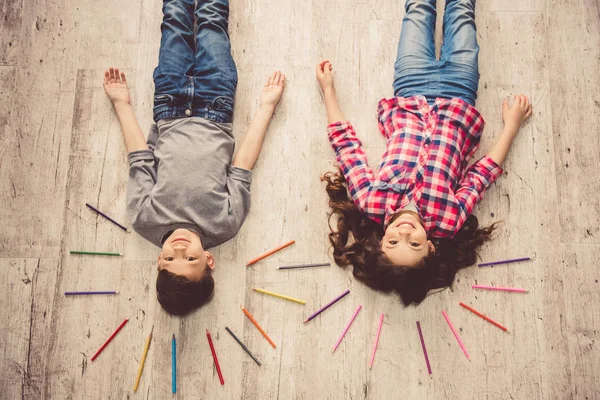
(348, 148)
(115, 86)
(251, 145)
(484, 172)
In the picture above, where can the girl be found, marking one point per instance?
(411, 220)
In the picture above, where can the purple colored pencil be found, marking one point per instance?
(424, 349)
(107, 217)
(88, 293)
(514, 260)
(332, 302)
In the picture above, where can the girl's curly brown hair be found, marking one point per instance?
(356, 242)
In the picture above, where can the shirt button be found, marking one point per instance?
(188, 112)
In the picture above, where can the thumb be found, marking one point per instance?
(504, 106)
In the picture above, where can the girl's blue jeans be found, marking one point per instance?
(456, 73)
(196, 75)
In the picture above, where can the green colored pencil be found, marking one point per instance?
(96, 253)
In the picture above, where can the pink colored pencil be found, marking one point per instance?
(460, 343)
(424, 348)
(347, 327)
(376, 341)
(504, 289)
(109, 339)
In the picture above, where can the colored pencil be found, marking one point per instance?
(107, 217)
(96, 253)
(88, 293)
(110, 338)
(460, 343)
(281, 296)
(214, 355)
(346, 329)
(376, 341)
(325, 307)
(146, 347)
(504, 289)
(268, 253)
(491, 321)
(305, 265)
(251, 318)
(424, 348)
(173, 365)
(514, 260)
(243, 346)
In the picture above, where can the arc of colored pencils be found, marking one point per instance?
(376, 341)
(89, 293)
(110, 339)
(96, 253)
(424, 348)
(460, 343)
(326, 306)
(107, 217)
(504, 289)
(514, 260)
(247, 350)
(347, 327)
(214, 355)
(305, 265)
(488, 319)
(146, 347)
(281, 296)
(268, 253)
(251, 318)
(173, 365)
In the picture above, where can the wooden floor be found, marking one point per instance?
(61, 146)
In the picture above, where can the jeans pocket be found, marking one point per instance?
(223, 104)
(163, 99)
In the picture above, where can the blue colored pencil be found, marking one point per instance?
(88, 293)
(173, 365)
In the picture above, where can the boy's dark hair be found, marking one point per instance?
(370, 264)
(179, 295)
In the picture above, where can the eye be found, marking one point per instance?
(169, 258)
(413, 244)
(190, 258)
(394, 242)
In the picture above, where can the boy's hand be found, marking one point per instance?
(514, 116)
(273, 89)
(324, 75)
(115, 86)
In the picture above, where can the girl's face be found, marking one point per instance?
(405, 240)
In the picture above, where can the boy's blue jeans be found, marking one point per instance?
(456, 73)
(196, 75)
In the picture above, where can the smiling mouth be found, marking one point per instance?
(406, 223)
(180, 240)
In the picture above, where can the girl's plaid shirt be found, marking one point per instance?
(427, 152)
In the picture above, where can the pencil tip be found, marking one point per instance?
(173, 336)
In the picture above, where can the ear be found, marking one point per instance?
(210, 260)
(158, 266)
(431, 247)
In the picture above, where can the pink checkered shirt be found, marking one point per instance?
(428, 149)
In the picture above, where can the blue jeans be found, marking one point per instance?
(196, 75)
(456, 73)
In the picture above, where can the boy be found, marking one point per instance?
(184, 193)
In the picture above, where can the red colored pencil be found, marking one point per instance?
(268, 253)
(110, 338)
(491, 321)
(214, 354)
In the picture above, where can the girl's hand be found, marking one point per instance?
(324, 75)
(273, 89)
(514, 116)
(115, 86)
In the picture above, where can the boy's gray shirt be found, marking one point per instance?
(186, 180)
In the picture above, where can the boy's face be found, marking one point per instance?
(183, 254)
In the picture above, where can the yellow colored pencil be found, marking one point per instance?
(146, 347)
(281, 296)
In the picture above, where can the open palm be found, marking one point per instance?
(115, 86)
(273, 89)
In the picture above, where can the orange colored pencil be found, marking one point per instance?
(491, 321)
(268, 253)
(257, 326)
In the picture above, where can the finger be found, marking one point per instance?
(529, 111)
(330, 67)
(111, 77)
(505, 106)
(277, 78)
(106, 76)
(123, 77)
(117, 76)
(322, 63)
(282, 80)
(270, 81)
(527, 102)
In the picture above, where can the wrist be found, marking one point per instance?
(267, 107)
(510, 131)
(329, 91)
(120, 104)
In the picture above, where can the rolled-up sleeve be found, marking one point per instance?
(238, 188)
(142, 178)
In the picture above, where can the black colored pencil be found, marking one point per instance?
(243, 346)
